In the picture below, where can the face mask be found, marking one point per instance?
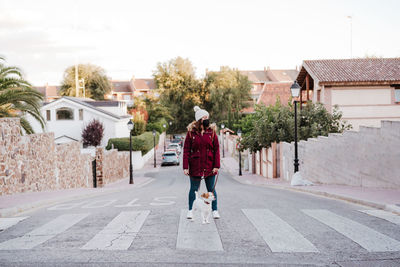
(206, 123)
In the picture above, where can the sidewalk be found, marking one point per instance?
(387, 199)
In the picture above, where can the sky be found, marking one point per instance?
(126, 38)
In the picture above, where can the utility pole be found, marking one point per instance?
(351, 35)
(76, 81)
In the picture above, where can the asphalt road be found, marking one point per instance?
(146, 227)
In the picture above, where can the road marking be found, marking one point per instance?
(66, 206)
(145, 183)
(366, 237)
(197, 236)
(129, 204)
(43, 233)
(8, 222)
(95, 204)
(120, 232)
(162, 201)
(388, 216)
(279, 235)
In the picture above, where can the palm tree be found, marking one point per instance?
(17, 98)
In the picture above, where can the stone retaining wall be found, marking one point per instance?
(369, 158)
(35, 163)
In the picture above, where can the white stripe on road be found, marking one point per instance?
(366, 237)
(43, 233)
(120, 232)
(388, 216)
(197, 236)
(8, 222)
(279, 235)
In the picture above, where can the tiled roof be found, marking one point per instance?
(272, 90)
(103, 103)
(121, 86)
(255, 76)
(283, 75)
(361, 70)
(144, 84)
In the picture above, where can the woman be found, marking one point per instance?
(201, 157)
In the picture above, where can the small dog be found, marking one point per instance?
(203, 203)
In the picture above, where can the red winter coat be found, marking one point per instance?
(201, 152)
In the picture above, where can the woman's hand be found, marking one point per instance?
(186, 171)
(215, 170)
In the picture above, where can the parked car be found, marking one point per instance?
(170, 157)
(177, 141)
(176, 147)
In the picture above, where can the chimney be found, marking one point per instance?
(265, 69)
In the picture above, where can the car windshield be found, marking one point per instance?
(169, 154)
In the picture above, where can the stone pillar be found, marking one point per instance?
(99, 166)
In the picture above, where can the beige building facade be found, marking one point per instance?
(366, 91)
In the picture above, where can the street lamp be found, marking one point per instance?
(155, 154)
(295, 90)
(170, 135)
(165, 137)
(223, 150)
(131, 124)
(239, 133)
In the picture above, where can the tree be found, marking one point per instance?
(276, 124)
(17, 98)
(93, 133)
(179, 90)
(94, 81)
(229, 93)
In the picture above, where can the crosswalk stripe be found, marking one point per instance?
(279, 235)
(43, 233)
(194, 235)
(8, 222)
(366, 237)
(388, 216)
(120, 232)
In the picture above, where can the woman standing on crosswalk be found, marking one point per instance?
(201, 158)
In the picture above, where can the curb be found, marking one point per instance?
(376, 205)
(48, 202)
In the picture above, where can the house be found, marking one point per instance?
(68, 116)
(50, 92)
(268, 85)
(127, 90)
(366, 90)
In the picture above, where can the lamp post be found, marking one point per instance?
(239, 133)
(130, 127)
(165, 137)
(295, 90)
(155, 153)
(223, 150)
(170, 135)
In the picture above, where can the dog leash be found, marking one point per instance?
(204, 177)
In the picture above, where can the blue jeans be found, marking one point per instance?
(194, 186)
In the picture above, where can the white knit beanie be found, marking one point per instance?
(200, 113)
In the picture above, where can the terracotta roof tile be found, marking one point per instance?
(121, 86)
(144, 84)
(272, 90)
(352, 70)
(256, 76)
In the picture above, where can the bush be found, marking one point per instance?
(158, 126)
(93, 133)
(143, 142)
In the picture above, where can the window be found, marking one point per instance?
(48, 115)
(81, 114)
(64, 114)
(397, 95)
(127, 97)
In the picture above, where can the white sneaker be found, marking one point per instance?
(216, 214)
(189, 214)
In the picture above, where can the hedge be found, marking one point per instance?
(143, 142)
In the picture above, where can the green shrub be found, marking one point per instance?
(143, 142)
(158, 126)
